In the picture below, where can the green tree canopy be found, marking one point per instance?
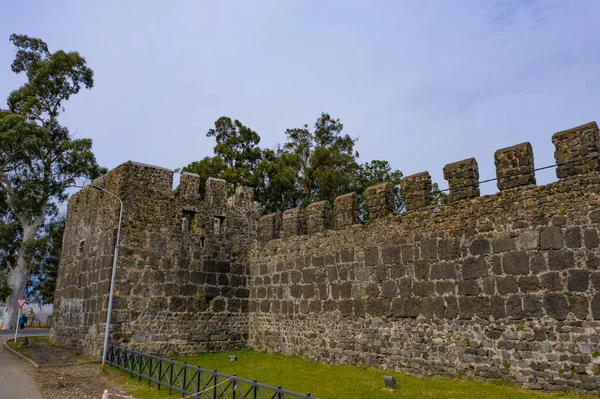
(39, 160)
(327, 160)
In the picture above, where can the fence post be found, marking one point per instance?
(150, 370)
(198, 377)
(215, 385)
(159, 372)
(183, 380)
(255, 390)
(233, 386)
(171, 376)
(131, 362)
(279, 395)
(140, 366)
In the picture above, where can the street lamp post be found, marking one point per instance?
(114, 273)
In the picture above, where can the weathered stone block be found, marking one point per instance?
(413, 306)
(443, 271)
(318, 217)
(591, 239)
(514, 307)
(506, 285)
(391, 255)
(269, 226)
(556, 306)
(451, 307)
(429, 249)
(463, 179)
(189, 186)
(596, 306)
(345, 210)
(573, 237)
(498, 307)
(532, 306)
(561, 260)
(380, 200)
(473, 268)
(468, 288)
(448, 249)
(216, 194)
(551, 281)
(389, 289)
(372, 256)
(405, 287)
(378, 307)
(529, 284)
(528, 239)
(503, 245)
(399, 307)
(577, 150)
(294, 222)
(372, 290)
(427, 307)
(579, 280)
(466, 305)
(516, 263)
(423, 288)
(551, 238)
(479, 246)
(514, 166)
(422, 270)
(416, 190)
(579, 306)
(347, 255)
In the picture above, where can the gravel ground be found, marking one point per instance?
(41, 352)
(83, 381)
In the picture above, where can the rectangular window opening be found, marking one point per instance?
(219, 225)
(189, 221)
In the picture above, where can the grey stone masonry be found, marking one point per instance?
(345, 209)
(189, 183)
(416, 190)
(463, 179)
(501, 287)
(216, 194)
(294, 222)
(180, 284)
(577, 150)
(380, 200)
(514, 166)
(268, 227)
(318, 217)
(243, 198)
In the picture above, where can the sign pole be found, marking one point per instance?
(17, 329)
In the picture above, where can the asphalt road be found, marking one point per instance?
(15, 380)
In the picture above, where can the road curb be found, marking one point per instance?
(20, 355)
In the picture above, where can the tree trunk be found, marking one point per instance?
(17, 279)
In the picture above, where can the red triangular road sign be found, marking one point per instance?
(21, 302)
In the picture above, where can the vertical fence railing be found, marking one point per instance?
(192, 381)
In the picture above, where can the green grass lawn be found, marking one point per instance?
(339, 382)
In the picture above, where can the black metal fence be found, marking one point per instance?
(192, 381)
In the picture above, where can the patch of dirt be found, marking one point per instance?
(43, 353)
(82, 381)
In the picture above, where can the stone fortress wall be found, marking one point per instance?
(500, 286)
(182, 277)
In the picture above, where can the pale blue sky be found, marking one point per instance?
(421, 83)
